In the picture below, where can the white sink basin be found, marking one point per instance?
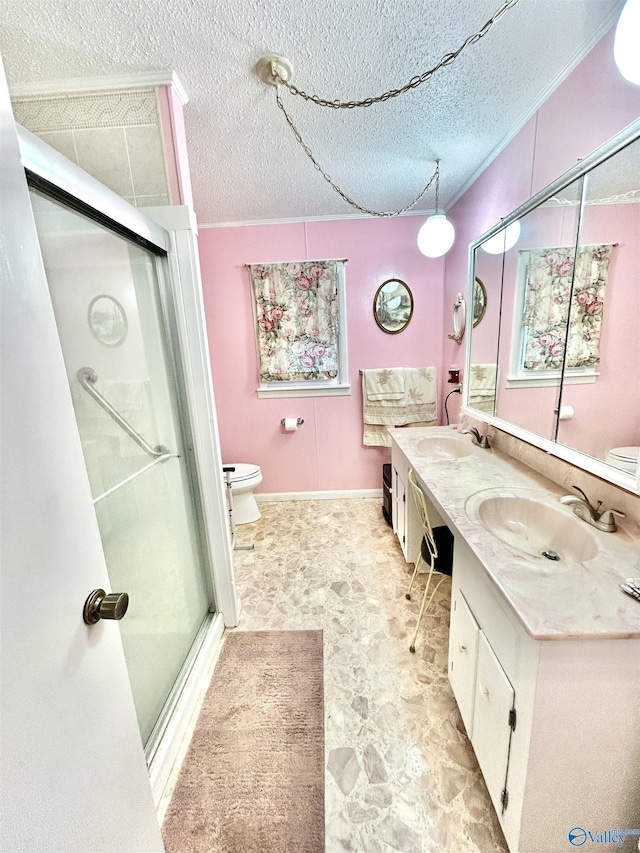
(444, 447)
(535, 527)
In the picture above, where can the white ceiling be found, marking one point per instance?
(245, 162)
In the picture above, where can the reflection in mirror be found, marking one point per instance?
(393, 306)
(537, 278)
(479, 301)
(484, 337)
(107, 320)
(606, 414)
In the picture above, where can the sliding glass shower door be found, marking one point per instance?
(112, 320)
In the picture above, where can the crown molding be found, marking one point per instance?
(112, 82)
(560, 77)
(294, 220)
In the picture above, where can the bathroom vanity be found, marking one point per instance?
(544, 654)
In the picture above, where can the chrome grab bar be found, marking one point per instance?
(87, 377)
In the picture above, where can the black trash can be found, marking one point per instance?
(443, 538)
(387, 501)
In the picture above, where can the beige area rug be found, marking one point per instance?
(253, 778)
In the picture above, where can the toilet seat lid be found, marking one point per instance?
(244, 471)
(628, 454)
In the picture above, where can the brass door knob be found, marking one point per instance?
(99, 605)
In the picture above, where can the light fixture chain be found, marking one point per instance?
(328, 179)
(447, 59)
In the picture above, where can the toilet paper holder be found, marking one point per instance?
(299, 421)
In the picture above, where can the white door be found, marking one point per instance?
(74, 778)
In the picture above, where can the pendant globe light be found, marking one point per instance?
(625, 46)
(436, 236)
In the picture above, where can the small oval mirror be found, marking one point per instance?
(393, 306)
(107, 320)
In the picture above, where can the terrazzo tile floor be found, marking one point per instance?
(400, 772)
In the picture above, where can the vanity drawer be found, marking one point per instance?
(499, 624)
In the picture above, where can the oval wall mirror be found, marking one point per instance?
(393, 306)
(107, 320)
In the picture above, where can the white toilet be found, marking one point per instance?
(244, 480)
(625, 458)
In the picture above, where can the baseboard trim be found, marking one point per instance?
(318, 496)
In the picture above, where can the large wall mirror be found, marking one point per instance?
(556, 359)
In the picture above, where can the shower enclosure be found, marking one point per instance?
(111, 321)
(139, 383)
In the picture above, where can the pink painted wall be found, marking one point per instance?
(326, 453)
(590, 106)
(504, 185)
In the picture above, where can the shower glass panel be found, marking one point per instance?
(111, 320)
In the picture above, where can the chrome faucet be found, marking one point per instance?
(583, 508)
(476, 438)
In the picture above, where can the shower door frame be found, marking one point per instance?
(172, 240)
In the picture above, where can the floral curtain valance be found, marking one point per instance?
(548, 276)
(297, 320)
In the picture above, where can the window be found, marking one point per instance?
(547, 280)
(300, 328)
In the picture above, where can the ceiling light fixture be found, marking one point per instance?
(627, 38)
(436, 236)
(503, 240)
(276, 71)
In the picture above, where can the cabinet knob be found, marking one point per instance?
(483, 690)
(462, 647)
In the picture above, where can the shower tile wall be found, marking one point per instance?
(114, 136)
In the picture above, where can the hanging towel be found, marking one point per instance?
(482, 387)
(417, 405)
(386, 384)
(422, 392)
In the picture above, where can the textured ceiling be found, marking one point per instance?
(245, 162)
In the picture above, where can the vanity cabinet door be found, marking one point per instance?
(494, 701)
(463, 657)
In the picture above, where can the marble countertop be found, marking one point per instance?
(552, 600)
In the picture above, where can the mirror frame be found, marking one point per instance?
(601, 469)
(375, 307)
